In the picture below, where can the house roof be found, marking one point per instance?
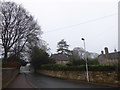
(60, 57)
(110, 56)
(114, 55)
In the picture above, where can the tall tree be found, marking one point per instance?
(39, 57)
(17, 28)
(63, 47)
(32, 43)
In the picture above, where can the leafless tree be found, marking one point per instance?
(17, 28)
(80, 52)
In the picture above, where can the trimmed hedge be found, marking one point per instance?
(58, 67)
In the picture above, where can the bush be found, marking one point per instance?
(58, 67)
(75, 60)
(101, 68)
(93, 61)
(38, 57)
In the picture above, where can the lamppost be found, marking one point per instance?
(85, 57)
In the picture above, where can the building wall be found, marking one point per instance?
(60, 58)
(62, 62)
(109, 58)
(105, 61)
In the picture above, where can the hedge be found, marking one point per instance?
(58, 67)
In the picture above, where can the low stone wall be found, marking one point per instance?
(8, 75)
(106, 77)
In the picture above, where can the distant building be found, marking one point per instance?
(25, 68)
(109, 58)
(60, 58)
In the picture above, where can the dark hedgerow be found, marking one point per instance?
(58, 67)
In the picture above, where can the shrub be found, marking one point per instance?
(58, 67)
(38, 57)
(93, 61)
(101, 68)
(75, 60)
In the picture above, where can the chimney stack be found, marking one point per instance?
(102, 52)
(106, 50)
(115, 50)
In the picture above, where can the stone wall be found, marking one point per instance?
(106, 77)
(8, 75)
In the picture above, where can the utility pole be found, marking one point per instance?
(85, 57)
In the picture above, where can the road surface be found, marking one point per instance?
(41, 81)
(20, 82)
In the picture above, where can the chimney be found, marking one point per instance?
(115, 50)
(106, 50)
(102, 52)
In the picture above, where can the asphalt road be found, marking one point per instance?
(19, 82)
(41, 81)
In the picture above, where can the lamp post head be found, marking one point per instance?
(83, 39)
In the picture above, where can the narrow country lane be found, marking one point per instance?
(41, 81)
(20, 82)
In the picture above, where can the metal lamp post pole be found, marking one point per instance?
(87, 75)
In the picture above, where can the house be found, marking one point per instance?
(60, 58)
(109, 58)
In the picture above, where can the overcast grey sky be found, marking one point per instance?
(95, 20)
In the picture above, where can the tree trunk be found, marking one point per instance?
(5, 55)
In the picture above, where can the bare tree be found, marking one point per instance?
(80, 52)
(17, 28)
